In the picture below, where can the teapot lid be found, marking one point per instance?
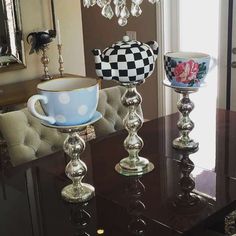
(126, 43)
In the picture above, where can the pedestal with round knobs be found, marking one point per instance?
(185, 124)
(76, 169)
(133, 165)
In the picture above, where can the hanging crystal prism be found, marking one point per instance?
(124, 12)
(121, 10)
(153, 1)
(122, 21)
(136, 10)
(137, 2)
(102, 3)
(119, 2)
(118, 5)
(93, 2)
(107, 11)
(117, 10)
(86, 3)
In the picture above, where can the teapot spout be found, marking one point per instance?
(155, 48)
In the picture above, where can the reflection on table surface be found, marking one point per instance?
(32, 205)
(182, 195)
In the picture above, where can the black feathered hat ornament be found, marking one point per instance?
(38, 40)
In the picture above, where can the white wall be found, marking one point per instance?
(36, 17)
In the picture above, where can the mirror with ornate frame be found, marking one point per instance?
(11, 42)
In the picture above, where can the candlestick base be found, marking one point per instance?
(75, 195)
(127, 168)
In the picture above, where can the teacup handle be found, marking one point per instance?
(213, 64)
(31, 107)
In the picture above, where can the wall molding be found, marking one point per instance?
(168, 39)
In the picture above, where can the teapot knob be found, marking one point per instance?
(126, 38)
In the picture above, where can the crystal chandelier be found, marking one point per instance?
(121, 9)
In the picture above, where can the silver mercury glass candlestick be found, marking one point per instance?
(60, 60)
(45, 61)
(185, 124)
(76, 169)
(133, 164)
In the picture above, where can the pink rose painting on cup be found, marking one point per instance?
(186, 69)
(186, 72)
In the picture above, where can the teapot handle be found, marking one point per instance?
(155, 48)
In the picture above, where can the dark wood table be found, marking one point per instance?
(30, 194)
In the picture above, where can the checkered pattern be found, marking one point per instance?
(169, 66)
(126, 62)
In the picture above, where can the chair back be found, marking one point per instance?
(26, 138)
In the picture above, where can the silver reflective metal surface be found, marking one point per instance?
(76, 169)
(185, 124)
(11, 42)
(133, 165)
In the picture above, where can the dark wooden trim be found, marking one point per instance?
(229, 53)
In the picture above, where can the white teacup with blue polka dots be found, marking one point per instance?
(66, 101)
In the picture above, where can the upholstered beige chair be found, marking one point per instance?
(28, 140)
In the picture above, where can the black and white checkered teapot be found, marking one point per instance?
(126, 61)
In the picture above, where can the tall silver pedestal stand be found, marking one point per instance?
(133, 165)
(185, 124)
(76, 169)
